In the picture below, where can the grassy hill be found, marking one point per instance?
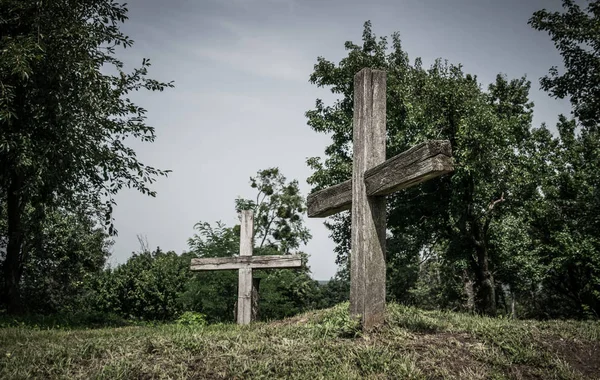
(414, 344)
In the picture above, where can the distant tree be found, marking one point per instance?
(62, 256)
(64, 119)
(147, 287)
(285, 292)
(335, 291)
(565, 225)
(278, 211)
(213, 293)
(564, 222)
(279, 229)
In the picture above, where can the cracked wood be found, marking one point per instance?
(240, 262)
(419, 164)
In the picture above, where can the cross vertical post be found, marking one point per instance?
(367, 263)
(244, 303)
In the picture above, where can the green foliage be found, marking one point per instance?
(286, 292)
(278, 211)
(565, 222)
(576, 34)
(146, 287)
(217, 241)
(337, 322)
(190, 318)
(64, 119)
(212, 293)
(439, 285)
(335, 291)
(66, 253)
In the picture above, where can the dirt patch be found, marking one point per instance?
(300, 319)
(447, 352)
(582, 356)
(521, 371)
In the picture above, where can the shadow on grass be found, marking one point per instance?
(77, 320)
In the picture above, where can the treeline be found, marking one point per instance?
(514, 230)
(67, 275)
(158, 286)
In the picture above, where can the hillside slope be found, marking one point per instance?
(414, 344)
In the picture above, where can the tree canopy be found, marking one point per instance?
(64, 120)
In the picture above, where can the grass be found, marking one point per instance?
(327, 344)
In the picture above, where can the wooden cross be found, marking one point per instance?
(244, 263)
(372, 178)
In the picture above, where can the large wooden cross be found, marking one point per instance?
(244, 263)
(372, 178)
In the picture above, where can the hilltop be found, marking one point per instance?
(413, 344)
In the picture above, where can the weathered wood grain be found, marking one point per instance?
(244, 296)
(330, 201)
(367, 261)
(255, 300)
(255, 262)
(406, 170)
(418, 164)
(245, 273)
(246, 233)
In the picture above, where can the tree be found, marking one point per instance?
(213, 293)
(63, 256)
(285, 292)
(576, 35)
(486, 129)
(63, 120)
(147, 287)
(566, 222)
(335, 291)
(278, 210)
(278, 229)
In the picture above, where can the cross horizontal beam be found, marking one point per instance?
(240, 262)
(420, 163)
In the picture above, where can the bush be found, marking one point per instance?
(190, 318)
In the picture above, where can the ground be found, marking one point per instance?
(413, 344)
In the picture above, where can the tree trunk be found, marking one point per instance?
(255, 286)
(468, 284)
(12, 264)
(513, 314)
(485, 292)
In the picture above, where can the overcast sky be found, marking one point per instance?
(241, 71)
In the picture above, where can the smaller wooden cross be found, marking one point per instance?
(244, 263)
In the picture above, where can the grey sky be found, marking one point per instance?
(241, 73)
